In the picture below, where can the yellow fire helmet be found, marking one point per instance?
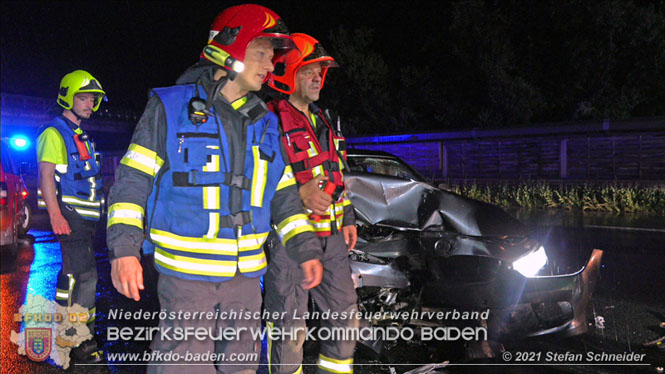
(79, 81)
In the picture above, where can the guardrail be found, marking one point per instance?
(33, 111)
(627, 150)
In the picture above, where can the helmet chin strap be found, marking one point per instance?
(231, 74)
(77, 115)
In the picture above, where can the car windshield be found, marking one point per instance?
(383, 165)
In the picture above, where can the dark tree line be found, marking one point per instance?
(405, 65)
(500, 63)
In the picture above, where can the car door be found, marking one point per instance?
(8, 198)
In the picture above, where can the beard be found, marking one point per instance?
(84, 114)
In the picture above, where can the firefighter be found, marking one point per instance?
(203, 177)
(71, 191)
(315, 151)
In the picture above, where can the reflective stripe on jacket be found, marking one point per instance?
(309, 159)
(191, 229)
(79, 183)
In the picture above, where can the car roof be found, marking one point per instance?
(366, 152)
(385, 155)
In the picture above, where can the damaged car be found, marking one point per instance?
(421, 248)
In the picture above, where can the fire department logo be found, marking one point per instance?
(39, 343)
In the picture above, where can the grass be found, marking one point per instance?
(540, 195)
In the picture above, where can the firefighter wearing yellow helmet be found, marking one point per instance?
(79, 81)
(71, 190)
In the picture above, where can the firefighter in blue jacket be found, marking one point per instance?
(203, 179)
(71, 190)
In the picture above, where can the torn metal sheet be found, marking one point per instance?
(415, 205)
(428, 369)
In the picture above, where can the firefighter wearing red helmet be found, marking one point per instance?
(204, 177)
(316, 153)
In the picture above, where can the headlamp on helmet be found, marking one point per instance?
(222, 58)
(79, 81)
(310, 51)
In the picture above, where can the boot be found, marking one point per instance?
(88, 353)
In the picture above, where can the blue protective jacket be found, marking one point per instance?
(79, 183)
(192, 230)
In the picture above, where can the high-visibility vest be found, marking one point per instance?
(79, 182)
(309, 160)
(191, 229)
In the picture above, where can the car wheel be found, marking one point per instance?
(9, 250)
(24, 225)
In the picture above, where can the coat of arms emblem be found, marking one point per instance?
(38, 343)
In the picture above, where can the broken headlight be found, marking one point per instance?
(530, 264)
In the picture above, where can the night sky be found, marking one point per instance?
(408, 65)
(132, 46)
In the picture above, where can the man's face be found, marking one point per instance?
(258, 64)
(308, 83)
(83, 104)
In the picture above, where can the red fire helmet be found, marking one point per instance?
(283, 79)
(236, 27)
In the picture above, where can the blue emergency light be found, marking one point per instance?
(19, 142)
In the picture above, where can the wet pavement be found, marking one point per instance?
(630, 298)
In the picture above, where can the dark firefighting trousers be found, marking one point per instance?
(212, 308)
(77, 278)
(285, 296)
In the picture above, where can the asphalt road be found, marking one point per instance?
(630, 298)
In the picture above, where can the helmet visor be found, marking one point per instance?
(95, 88)
(278, 28)
(280, 39)
(281, 44)
(92, 86)
(317, 54)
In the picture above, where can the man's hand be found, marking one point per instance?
(60, 225)
(313, 197)
(350, 236)
(127, 276)
(313, 272)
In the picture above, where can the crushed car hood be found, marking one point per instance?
(412, 205)
(449, 223)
